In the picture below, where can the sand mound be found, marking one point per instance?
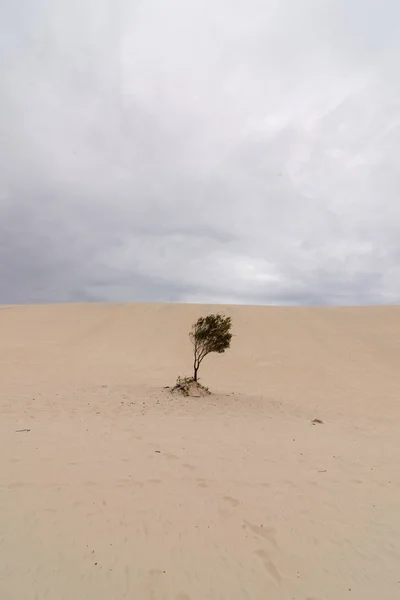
(187, 386)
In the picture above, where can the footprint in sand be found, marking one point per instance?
(189, 467)
(171, 456)
(269, 565)
(202, 483)
(268, 533)
(232, 501)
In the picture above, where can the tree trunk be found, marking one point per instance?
(196, 368)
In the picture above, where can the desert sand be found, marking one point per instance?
(120, 490)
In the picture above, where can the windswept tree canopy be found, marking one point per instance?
(210, 334)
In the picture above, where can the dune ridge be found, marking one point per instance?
(119, 489)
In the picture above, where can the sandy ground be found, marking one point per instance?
(119, 490)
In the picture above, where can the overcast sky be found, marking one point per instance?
(242, 151)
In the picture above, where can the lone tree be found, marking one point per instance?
(209, 334)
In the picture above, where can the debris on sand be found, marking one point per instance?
(317, 421)
(187, 386)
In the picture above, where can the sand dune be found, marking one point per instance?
(119, 490)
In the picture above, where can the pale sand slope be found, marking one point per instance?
(120, 491)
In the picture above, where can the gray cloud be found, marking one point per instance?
(200, 151)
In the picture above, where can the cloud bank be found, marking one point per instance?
(200, 151)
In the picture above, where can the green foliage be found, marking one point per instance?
(210, 334)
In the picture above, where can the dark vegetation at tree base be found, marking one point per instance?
(187, 386)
